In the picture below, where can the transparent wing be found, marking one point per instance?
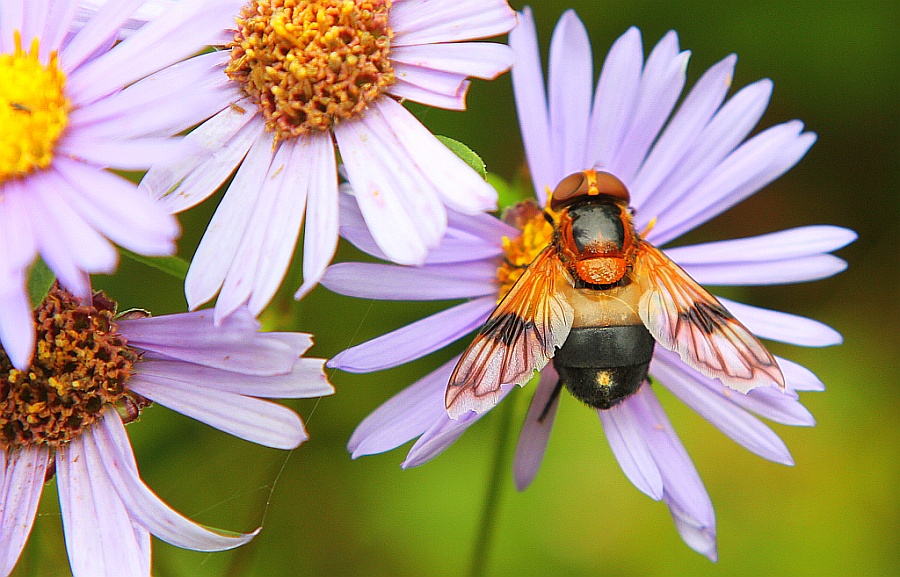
(519, 337)
(683, 317)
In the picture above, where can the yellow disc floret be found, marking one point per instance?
(34, 110)
(308, 64)
(537, 233)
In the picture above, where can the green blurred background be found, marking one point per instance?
(834, 65)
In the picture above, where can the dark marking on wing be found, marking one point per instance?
(507, 327)
(706, 316)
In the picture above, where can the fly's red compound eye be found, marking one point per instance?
(588, 183)
(610, 185)
(569, 188)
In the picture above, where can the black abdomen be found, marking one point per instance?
(601, 366)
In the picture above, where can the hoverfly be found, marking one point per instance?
(596, 300)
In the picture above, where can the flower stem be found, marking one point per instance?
(489, 514)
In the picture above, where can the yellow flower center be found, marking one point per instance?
(79, 370)
(310, 64)
(537, 233)
(34, 110)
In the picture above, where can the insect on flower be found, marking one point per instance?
(596, 300)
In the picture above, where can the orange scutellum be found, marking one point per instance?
(34, 110)
(309, 65)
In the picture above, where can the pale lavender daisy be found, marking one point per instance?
(297, 82)
(682, 168)
(93, 372)
(66, 119)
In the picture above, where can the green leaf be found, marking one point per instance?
(173, 265)
(464, 152)
(40, 279)
(508, 194)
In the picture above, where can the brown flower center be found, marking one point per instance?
(310, 64)
(79, 368)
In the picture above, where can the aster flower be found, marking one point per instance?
(682, 169)
(296, 81)
(66, 118)
(91, 374)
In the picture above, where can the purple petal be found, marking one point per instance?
(614, 102)
(225, 232)
(143, 505)
(13, 16)
(784, 327)
(623, 431)
(765, 248)
(798, 377)
(570, 79)
(199, 84)
(404, 416)
(536, 430)
(468, 237)
(431, 282)
(123, 154)
(36, 13)
(68, 245)
(460, 187)
(16, 320)
(448, 100)
(321, 237)
(21, 482)
(221, 144)
(234, 345)
(443, 433)
(683, 129)
(103, 26)
(731, 125)
(479, 59)
(415, 340)
(754, 164)
(767, 273)
(100, 537)
(67, 236)
(483, 226)
(255, 420)
(438, 438)
(243, 272)
(186, 29)
(133, 221)
(780, 406)
(16, 234)
(684, 491)
(661, 83)
(401, 209)
(699, 537)
(438, 81)
(148, 11)
(280, 227)
(531, 104)
(307, 379)
(434, 21)
(710, 400)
